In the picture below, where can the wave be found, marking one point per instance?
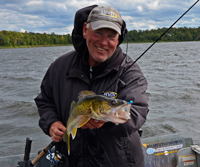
(18, 77)
(11, 109)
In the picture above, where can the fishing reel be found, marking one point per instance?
(55, 158)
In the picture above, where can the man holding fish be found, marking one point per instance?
(90, 129)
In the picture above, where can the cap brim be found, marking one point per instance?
(105, 24)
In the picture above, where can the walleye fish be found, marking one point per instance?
(97, 107)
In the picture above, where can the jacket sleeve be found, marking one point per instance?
(45, 103)
(132, 86)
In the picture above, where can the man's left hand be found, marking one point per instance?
(93, 123)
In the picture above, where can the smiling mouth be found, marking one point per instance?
(100, 49)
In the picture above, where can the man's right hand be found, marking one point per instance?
(56, 131)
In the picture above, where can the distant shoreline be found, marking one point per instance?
(32, 46)
(55, 45)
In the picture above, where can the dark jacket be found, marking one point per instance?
(111, 145)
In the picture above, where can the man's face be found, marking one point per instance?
(101, 44)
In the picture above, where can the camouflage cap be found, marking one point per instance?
(105, 17)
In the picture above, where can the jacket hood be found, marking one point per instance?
(77, 33)
(81, 16)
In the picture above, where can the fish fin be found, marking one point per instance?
(85, 93)
(65, 135)
(82, 120)
(66, 138)
(74, 130)
(72, 106)
(68, 145)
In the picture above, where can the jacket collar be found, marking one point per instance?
(81, 69)
(113, 63)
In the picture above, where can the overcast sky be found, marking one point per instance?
(57, 16)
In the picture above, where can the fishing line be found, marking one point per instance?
(197, 38)
(126, 49)
(152, 44)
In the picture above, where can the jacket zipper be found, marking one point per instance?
(90, 72)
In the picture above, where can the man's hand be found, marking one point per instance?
(93, 123)
(56, 131)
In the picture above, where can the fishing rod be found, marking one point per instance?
(42, 153)
(53, 159)
(152, 44)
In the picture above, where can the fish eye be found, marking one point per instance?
(113, 102)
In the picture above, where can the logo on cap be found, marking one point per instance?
(108, 13)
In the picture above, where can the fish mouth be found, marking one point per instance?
(123, 112)
(117, 115)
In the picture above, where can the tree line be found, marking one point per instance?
(173, 35)
(13, 38)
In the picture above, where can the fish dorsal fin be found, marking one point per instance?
(85, 93)
(72, 106)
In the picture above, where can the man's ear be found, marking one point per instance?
(84, 30)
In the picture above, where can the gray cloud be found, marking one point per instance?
(50, 16)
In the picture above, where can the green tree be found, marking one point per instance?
(4, 41)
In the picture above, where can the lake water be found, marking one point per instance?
(172, 71)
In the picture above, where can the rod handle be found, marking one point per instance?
(42, 153)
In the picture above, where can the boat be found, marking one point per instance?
(161, 151)
(171, 151)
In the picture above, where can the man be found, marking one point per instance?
(96, 64)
